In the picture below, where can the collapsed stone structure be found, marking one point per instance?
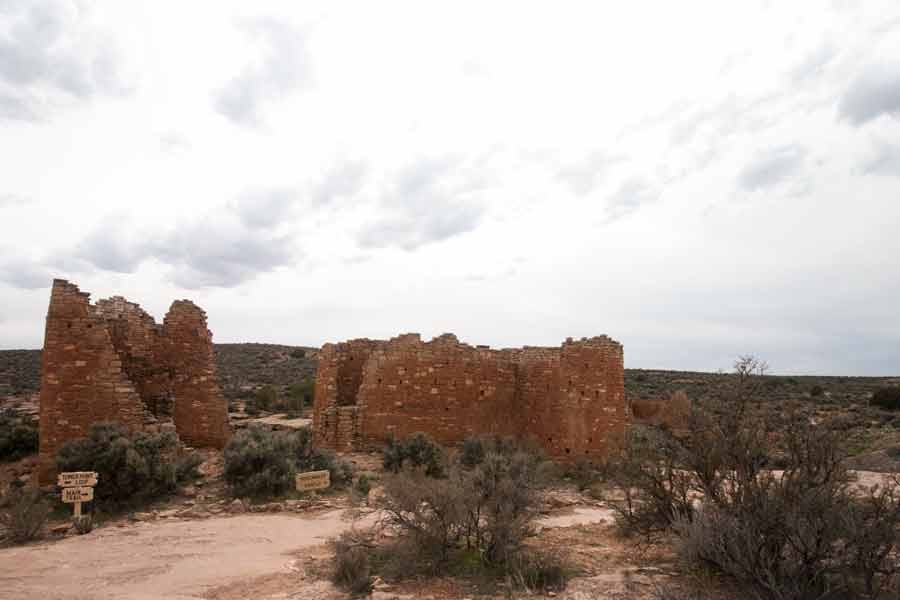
(111, 361)
(570, 399)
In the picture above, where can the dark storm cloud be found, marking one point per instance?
(582, 177)
(772, 167)
(874, 92)
(886, 161)
(284, 68)
(429, 201)
(47, 50)
(629, 196)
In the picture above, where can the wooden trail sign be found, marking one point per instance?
(77, 479)
(77, 494)
(313, 480)
(77, 487)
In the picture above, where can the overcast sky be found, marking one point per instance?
(696, 179)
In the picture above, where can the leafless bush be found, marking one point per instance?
(537, 571)
(84, 524)
(24, 514)
(799, 534)
(484, 505)
(352, 564)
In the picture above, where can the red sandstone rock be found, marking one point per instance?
(570, 399)
(112, 362)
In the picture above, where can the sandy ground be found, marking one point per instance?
(187, 559)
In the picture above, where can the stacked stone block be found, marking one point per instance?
(112, 362)
(570, 399)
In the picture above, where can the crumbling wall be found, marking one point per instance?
(112, 362)
(570, 399)
(441, 387)
(200, 409)
(338, 378)
(82, 380)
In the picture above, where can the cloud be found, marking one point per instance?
(173, 142)
(24, 274)
(772, 167)
(630, 195)
(265, 208)
(283, 68)
(813, 63)
(220, 254)
(342, 181)
(583, 176)
(222, 249)
(430, 201)
(111, 248)
(885, 161)
(50, 56)
(12, 200)
(874, 92)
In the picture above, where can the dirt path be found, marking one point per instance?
(164, 560)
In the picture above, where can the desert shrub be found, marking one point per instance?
(298, 353)
(583, 474)
(538, 571)
(302, 393)
(472, 453)
(308, 458)
(18, 435)
(266, 398)
(83, 524)
(363, 486)
(23, 514)
(796, 535)
(887, 397)
(352, 569)
(131, 467)
(417, 451)
(816, 391)
(186, 467)
(488, 508)
(260, 462)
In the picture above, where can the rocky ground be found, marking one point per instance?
(202, 543)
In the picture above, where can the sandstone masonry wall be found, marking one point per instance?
(570, 399)
(112, 362)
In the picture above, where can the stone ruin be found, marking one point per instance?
(570, 399)
(110, 361)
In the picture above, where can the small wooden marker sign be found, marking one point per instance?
(77, 487)
(314, 480)
(77, 479)
(77, 494)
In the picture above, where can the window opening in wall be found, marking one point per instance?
(568, 450)
(379, 380)
(69, 324)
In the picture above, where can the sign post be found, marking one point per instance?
(313, 480)
(77, 487)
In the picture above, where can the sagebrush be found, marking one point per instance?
(132, 467)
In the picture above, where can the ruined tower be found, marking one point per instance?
(112, 362)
